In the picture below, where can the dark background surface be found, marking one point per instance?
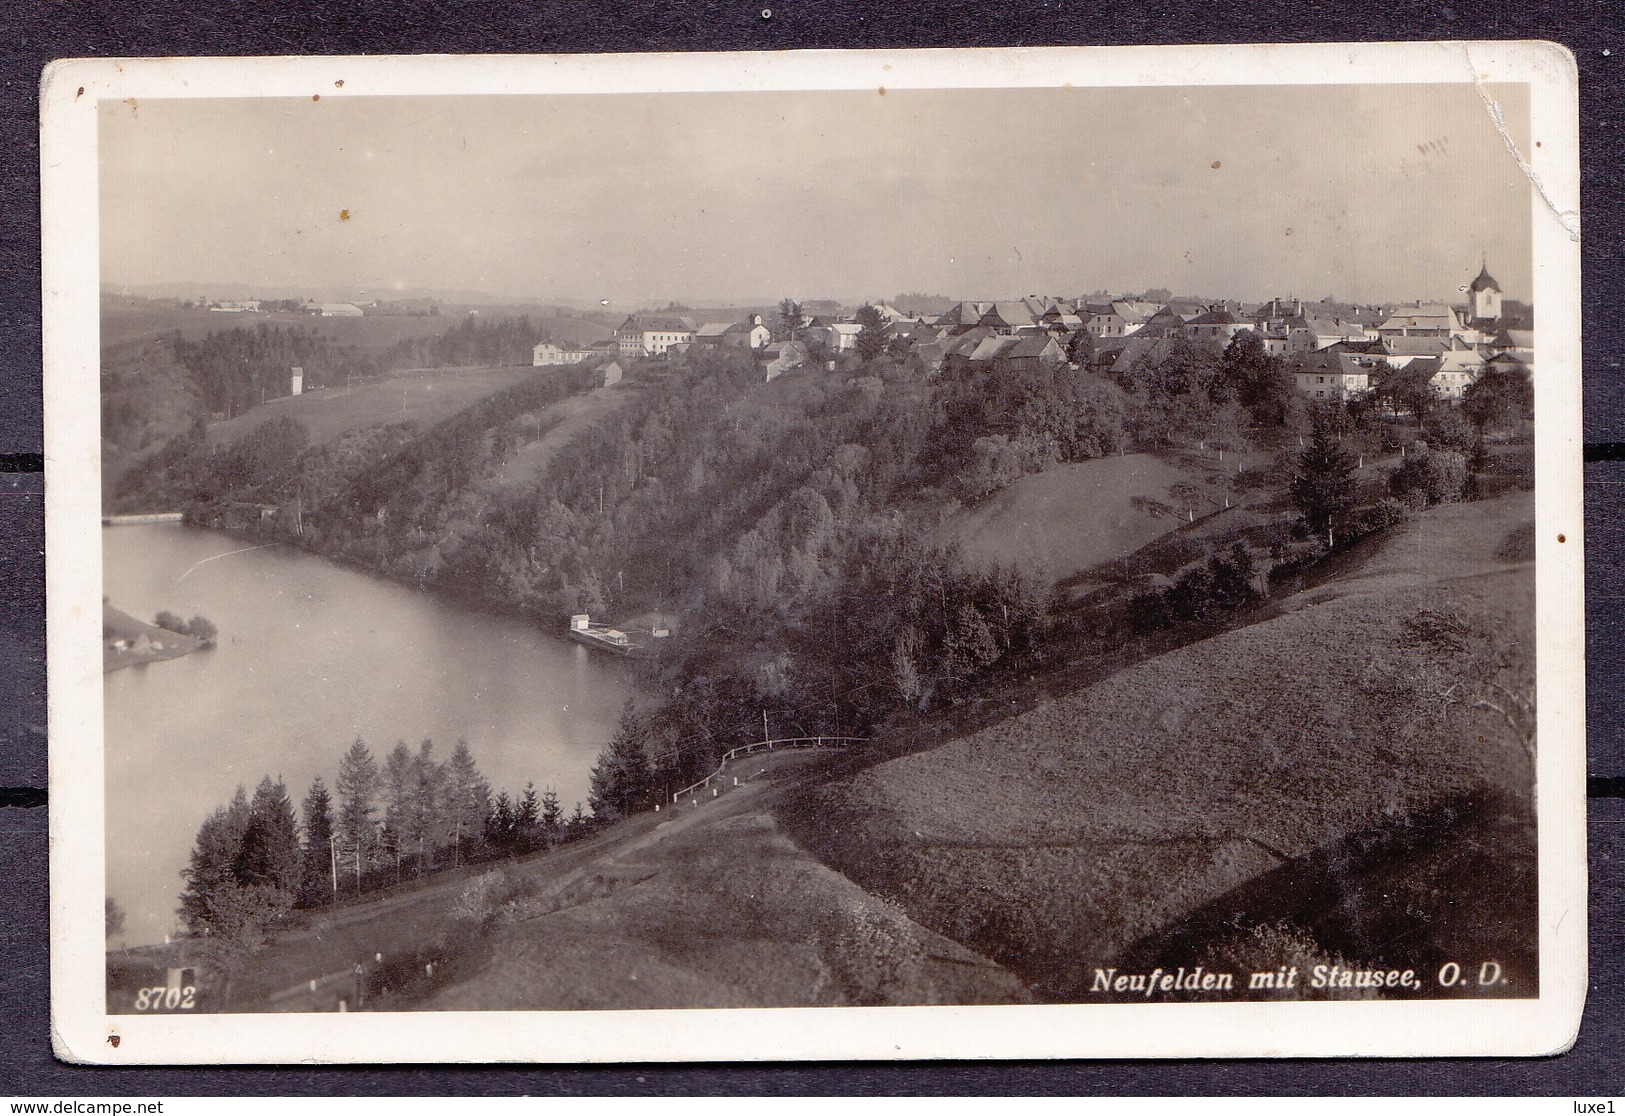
(35, 33)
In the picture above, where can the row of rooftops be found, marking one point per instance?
(1049, 310)
(1409, 329)
(936, 343)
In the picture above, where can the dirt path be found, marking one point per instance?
(406, 922)
(564, 420)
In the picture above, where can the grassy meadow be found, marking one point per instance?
(1073, 516)
(421, 397)
(1075, 834)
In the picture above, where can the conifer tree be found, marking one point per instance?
(527, 820)
(621, 779)
(268, 854)
(499, 827)
(232, 899)
(872, 335)
(400, 785)
(552, 817)
(468, 800)
(318, 876)
(210, 871)
(358, 786)
(1323, 487)
(427, 824)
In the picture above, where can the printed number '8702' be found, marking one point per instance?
(161, 998)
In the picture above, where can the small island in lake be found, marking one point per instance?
(127, 641)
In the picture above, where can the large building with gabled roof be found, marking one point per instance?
(652, 334)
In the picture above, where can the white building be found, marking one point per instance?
(548, 353)
(1334, 376)
(652, 335)
(1117, 319)
(843, 336)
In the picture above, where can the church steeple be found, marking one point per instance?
(1484, 295)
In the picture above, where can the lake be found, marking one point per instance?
(311, 656)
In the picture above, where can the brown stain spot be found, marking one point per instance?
(882, 91)
(1562, 538)
(1217, 164)
(315, 96)
(81, 93)
(339, 84)
(134, 107)
(344, 215)
(887, 67)
(1289, 232)
(113, 1041)
(1537, 142)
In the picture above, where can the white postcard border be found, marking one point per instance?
(82, 1030)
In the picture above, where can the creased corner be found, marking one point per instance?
(1568, 218)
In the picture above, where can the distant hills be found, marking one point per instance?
(325, 293)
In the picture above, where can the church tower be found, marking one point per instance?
(1484, 297)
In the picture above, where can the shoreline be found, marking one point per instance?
(143, 643)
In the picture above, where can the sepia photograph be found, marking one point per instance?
(607, 546)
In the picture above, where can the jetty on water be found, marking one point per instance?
(145, 517)
(635, 641)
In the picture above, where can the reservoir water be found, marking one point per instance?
(311, 656)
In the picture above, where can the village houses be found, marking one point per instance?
(1332, 351)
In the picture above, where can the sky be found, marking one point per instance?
(1367, 193)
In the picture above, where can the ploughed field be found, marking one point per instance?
(1326, 785)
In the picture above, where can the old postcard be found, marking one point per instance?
(889, 555)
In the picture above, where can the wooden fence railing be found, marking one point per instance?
(786, 744)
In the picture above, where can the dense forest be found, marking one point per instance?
(472, 342)
(236, 369)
